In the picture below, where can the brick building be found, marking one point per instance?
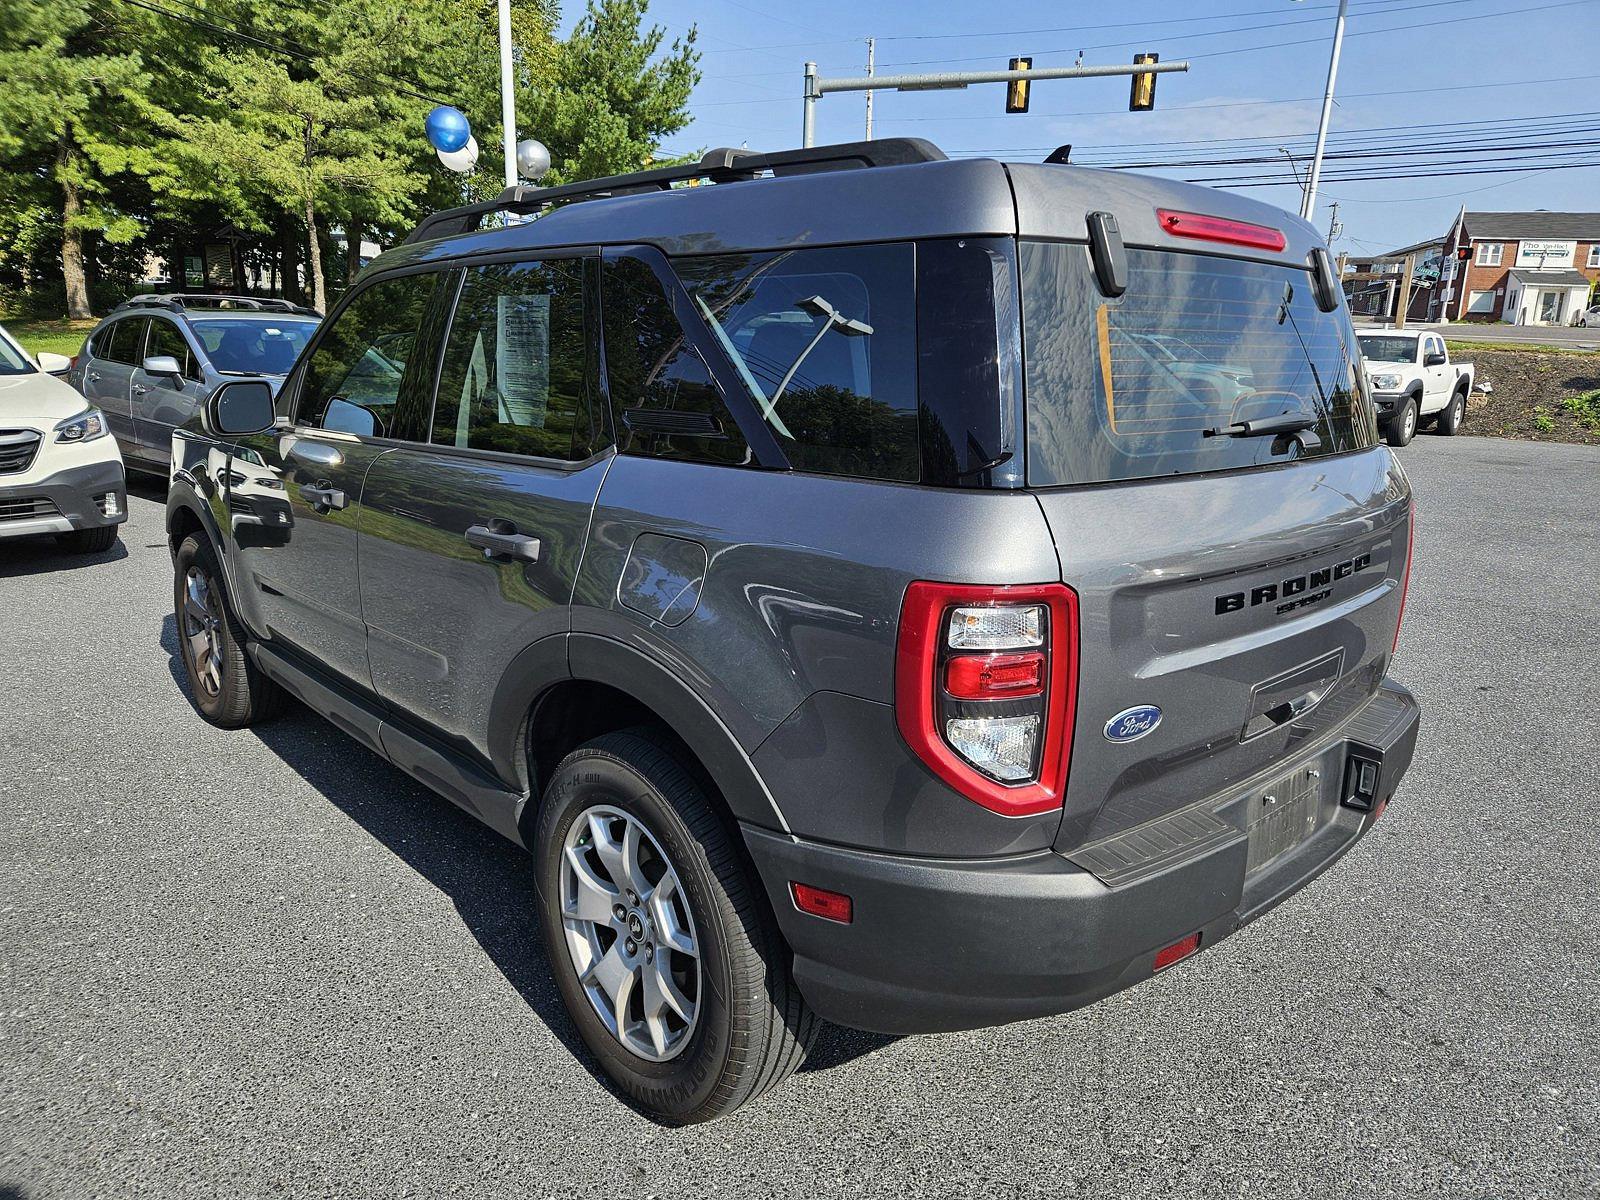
(1523, 268)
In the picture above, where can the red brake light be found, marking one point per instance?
(1177, 952)
(1405, 580)
(939, 687)
(72, 364)
(1221, 229)
(819, 902)
(995, 676)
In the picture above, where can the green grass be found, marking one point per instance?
(55, 337)
(1465, 350)
(1542, 420)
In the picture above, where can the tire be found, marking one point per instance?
(737, 1026)
(1403, 424)
(225, 687)
(90, 541)
(1453, 417)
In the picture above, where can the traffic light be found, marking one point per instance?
(1143, 96)
(1017, 89)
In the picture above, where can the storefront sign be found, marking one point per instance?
(1541, 254)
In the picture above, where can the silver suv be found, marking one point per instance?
(915, 593)
(154, 360)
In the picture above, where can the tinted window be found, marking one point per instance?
(121, 343)
(824, 342)
(1144, 385)
(12, 360)
(167, 338)
(253, 345)
(665, 400)
(516, 365)
(361, 359)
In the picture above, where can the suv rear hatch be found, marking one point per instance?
(1238, 595)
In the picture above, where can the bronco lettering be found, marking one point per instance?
(1295, 585)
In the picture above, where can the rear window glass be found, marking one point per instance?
(121, 343)
(824, 342)
(253, 346)
(1388, 349)
(1145, 385)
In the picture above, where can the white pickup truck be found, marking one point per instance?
(1412, 380)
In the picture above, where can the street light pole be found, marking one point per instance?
(1308, 204)
(508, 101)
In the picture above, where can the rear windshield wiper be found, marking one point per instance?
(1284, 423)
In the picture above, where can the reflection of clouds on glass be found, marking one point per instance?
(1195, 341)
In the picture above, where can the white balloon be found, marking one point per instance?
(463, 159)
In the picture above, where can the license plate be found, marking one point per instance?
(1283, 815)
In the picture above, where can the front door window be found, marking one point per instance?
(1550, 308)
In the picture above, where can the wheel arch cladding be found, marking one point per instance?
(656, 694)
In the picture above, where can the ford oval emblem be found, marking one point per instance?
(1131, 724)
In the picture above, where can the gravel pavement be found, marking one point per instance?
(266, 963)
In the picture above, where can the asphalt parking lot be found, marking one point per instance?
(267, 963)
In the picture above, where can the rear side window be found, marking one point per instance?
(1144, 385)
(354, 379)
(121, 342)
(167, 339)
(824, 341)
(516, 373)
(664, 398)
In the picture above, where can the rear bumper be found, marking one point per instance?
(939, 945)
(66, 500)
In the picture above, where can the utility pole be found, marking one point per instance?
(1334, 228)
(1294, 169)
(872, 45)
(1309, 204)
(816, 87)
(1404, 302)
(508, 100)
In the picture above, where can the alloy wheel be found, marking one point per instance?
(202, 626)
(630, 933)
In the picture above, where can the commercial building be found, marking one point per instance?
(1522, 268)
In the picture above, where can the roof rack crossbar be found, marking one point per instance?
(723, 165)
(178, 301)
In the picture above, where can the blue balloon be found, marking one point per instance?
(447, 129)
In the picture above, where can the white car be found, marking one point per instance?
(59, 472)
(1590, 316)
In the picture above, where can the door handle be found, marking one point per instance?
(139, 389)
(316, 452)
(324, 498)
(500, 539)
(94, 376)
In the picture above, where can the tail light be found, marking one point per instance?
(1405, 580)
(985, 687)
(1220, 229)
(72, 363)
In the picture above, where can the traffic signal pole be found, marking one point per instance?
(816, 86)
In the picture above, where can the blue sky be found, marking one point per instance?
(1529, 67)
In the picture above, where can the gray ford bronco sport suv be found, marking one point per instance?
(915, 593)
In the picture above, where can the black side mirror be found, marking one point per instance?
(238, 408)
(1326, 287)
(1434, 360)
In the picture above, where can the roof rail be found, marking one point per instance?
(723, 165)
(180, 301)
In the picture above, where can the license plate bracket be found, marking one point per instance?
(1282, 815)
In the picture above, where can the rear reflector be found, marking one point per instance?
(995, 676)
(1220, 229)
(830, 906)
(1176, 952)
(1405, 580)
